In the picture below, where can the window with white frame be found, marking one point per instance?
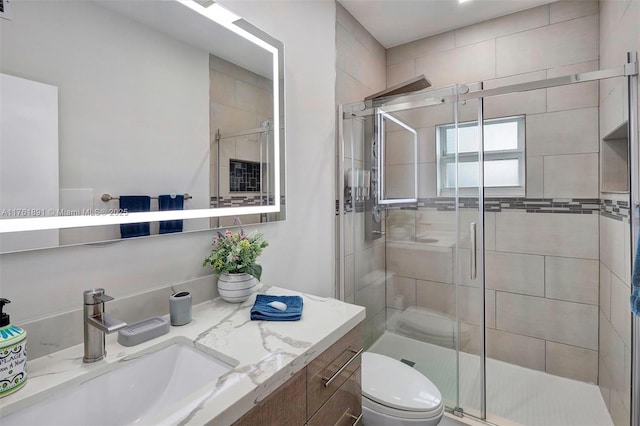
(504, 160)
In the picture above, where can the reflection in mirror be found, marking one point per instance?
(102, 100)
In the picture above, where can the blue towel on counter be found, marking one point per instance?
(170, 202)
(635, 283)
(262, 311)
(133, 204)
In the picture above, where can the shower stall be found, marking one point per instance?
(483, 260)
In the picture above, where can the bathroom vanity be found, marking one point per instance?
(285, 373)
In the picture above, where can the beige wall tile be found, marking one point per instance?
(515, 273)
(400, 72)
(490, 308)
(349, 275)
(349, 89)
(620, 312)
(582, 95)
(565, 43)
(427, 145)
(626, 387)
(401, 292)
(619, 413)
(401, 225)
(613, 108)
(490, 231)
(434, 44)
(509, 24)
(535, 176)
(612, 246)
(571, 9)
(399, 147)
(604, 377)
(564, 132)
(441, 298)
(437, 297)
(532, 102)
(605, 291)
(565, 322)
(566, 235)
(372, 298)
(572, 362)
(399, 181)
(427, 181)
(516, 349)
(420, 261)
(222, 88)
(612, 351)
(571, 176)
(425, 46)
(469, 343)
(574, 280)
(475, 62)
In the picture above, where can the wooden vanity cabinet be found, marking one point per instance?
(304, 399)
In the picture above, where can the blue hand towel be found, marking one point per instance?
(168, 202)
(262, 311)
(135, 203)
(635, 282)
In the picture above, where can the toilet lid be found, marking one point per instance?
(394, 384)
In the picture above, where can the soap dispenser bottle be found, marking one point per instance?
(13, 354)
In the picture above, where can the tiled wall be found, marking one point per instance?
(542, 252)
(619, 33)
(360, 72)
(241, 100)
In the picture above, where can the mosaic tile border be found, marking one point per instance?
(241, 201)
(499, 204)
(615, 209)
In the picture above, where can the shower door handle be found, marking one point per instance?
(473, 262)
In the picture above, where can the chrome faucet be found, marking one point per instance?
(96, 323)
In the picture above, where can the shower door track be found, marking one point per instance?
(627, 70)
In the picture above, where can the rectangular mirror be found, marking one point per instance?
(131, 118)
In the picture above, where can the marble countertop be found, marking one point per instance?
(264, 354)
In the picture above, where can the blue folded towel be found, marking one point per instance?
(135, 203)
(170, 202)
(262, 311)
(635, 283)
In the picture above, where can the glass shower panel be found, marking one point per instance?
(363, 255)
(469, 266)
(421, 242)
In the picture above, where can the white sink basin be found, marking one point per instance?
(156, 388)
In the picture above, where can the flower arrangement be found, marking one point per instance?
(236, 253)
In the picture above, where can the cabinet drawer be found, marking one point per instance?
(284, 407)
(344, 407)
(340, 356)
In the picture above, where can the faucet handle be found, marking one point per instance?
(102, 298)
(95, 296)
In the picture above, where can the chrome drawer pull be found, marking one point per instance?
(357, 419)
(330, 380)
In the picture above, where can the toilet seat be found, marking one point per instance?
(395, 389)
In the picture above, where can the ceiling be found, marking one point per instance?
(394, 22)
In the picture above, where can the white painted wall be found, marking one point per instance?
(301, 252)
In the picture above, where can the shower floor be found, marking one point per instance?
(514, 393)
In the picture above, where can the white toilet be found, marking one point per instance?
(394, 394)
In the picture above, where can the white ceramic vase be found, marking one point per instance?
(236, 288)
